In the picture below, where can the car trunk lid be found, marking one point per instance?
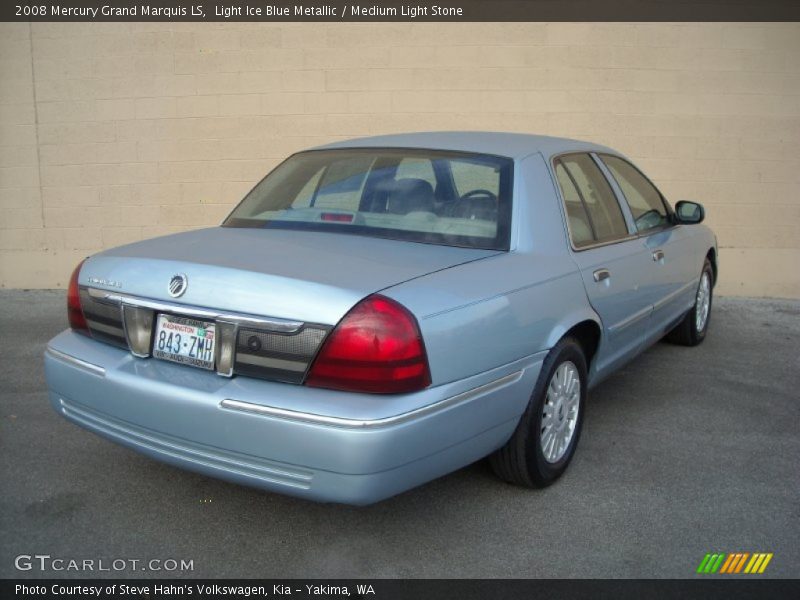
(297, 275)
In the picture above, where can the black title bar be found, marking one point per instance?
(710, 588)
(409, 11)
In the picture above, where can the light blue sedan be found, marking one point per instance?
(379, 312)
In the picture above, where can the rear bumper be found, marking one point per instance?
(318, 444)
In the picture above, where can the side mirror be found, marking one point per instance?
(689, 213)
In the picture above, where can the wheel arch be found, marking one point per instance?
(711, 255)
(586, 328)
(588, 334)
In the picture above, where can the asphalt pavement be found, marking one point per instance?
(685, 451)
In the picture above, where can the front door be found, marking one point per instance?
(673, 275)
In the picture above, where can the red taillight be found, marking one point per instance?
(74, 311)
(376, 348)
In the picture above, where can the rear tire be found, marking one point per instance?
(692, 330)
(544, 442)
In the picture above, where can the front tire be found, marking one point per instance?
(544, 442)
(692, 330)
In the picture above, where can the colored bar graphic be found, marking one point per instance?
(703, 563)
(717, 562)
(735, 565)
(710, 563)
(741, 562)
(753, 563)
(734, 562)
(765, 563)
(727, 565)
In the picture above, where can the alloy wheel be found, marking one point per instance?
(702, 303)
(560, 411)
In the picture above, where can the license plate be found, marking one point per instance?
(186, 341)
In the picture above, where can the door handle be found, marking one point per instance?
(658, 255)
(601, 275)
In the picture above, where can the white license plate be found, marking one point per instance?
(186, 341)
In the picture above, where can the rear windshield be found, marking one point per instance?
(435, 197)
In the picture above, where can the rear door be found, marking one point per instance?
(672, 272)
(613, 261)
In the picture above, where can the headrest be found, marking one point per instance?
(408, 195)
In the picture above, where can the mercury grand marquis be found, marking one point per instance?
(379, 312)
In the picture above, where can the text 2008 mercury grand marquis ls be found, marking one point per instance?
(382, 311)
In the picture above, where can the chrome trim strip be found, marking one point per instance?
(77, 362)
(100, 295)
(671, 296)
(272, 363)
(632, 319)
(293, 415)
(109, 329)
(645, 311)
(600, 244)
(271, 324)
(221, 333)
(126, 329)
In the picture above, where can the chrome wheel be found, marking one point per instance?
(702, 302)
(560, 411)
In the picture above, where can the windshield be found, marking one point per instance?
(430, 196)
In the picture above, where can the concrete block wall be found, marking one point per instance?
(115, 132)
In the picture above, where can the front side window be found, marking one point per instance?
(646, 203)
(592, 209)
(438, 197)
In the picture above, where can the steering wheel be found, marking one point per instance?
(479, 192)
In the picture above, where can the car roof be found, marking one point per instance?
(512, 145)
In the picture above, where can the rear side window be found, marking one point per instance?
(647, 204)
(592, 209)
(579, 227)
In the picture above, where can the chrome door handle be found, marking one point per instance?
(601, 275)
(658, 255)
